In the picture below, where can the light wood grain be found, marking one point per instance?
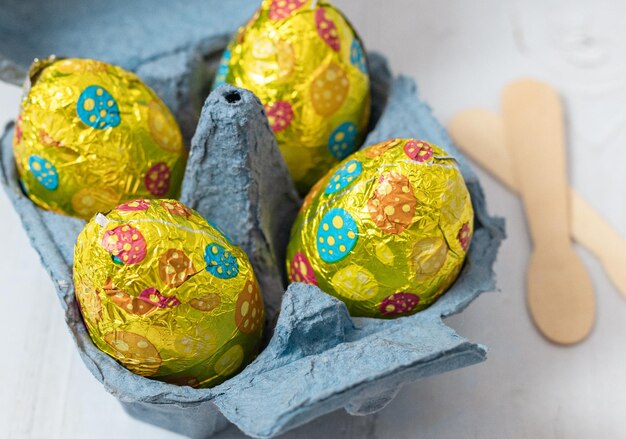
(479, 134)
(561, 298)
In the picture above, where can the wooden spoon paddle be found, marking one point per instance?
(560, 294)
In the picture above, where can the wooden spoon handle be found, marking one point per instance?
(480, 135)
(533, 120)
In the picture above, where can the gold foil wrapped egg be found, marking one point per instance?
(91, 135)
(307, 65)
(386, 231)
(166, 294)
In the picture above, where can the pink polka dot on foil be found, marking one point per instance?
(301, 270)
(327, 30)
(399, 304)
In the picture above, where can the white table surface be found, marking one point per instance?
(461, 53)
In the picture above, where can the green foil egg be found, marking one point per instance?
(307, 65)
(386, 230)
(167, 294)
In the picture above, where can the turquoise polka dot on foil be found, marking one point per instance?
(222, 70)
(342, 141)
(344, 176)
(357, 56)
(220, 262)
(44, 171)
(97, 108)
(336, 235)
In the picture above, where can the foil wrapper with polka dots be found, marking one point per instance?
(91, 135)
(307, 65)
(386, 230)
(167, 294)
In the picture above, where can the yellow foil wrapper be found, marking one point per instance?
(166, 294)
(307, 65)
(91, 135)
(386, 231)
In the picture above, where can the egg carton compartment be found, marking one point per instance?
(317, 359)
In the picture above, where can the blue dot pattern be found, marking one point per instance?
(342, 141)
(357, 56)
(97, 108)
(344, 176)
(44, 171)
(220, 262)
(336, 235)
(222, 70)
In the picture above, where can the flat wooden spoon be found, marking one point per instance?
(560, 294)
(480, 135)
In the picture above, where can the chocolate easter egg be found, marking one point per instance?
(166, 294)
(93, 135)
(306, 63)
(386, 230)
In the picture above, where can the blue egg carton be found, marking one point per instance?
(317, 359)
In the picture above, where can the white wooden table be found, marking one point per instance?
(461, 53)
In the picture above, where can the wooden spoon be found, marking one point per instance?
(560, 294)
(480, 135)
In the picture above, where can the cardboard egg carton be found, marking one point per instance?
(317, 359)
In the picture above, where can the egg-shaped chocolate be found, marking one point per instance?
(91, 135)
(307, 65)
(167, 294)
(386, 231)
